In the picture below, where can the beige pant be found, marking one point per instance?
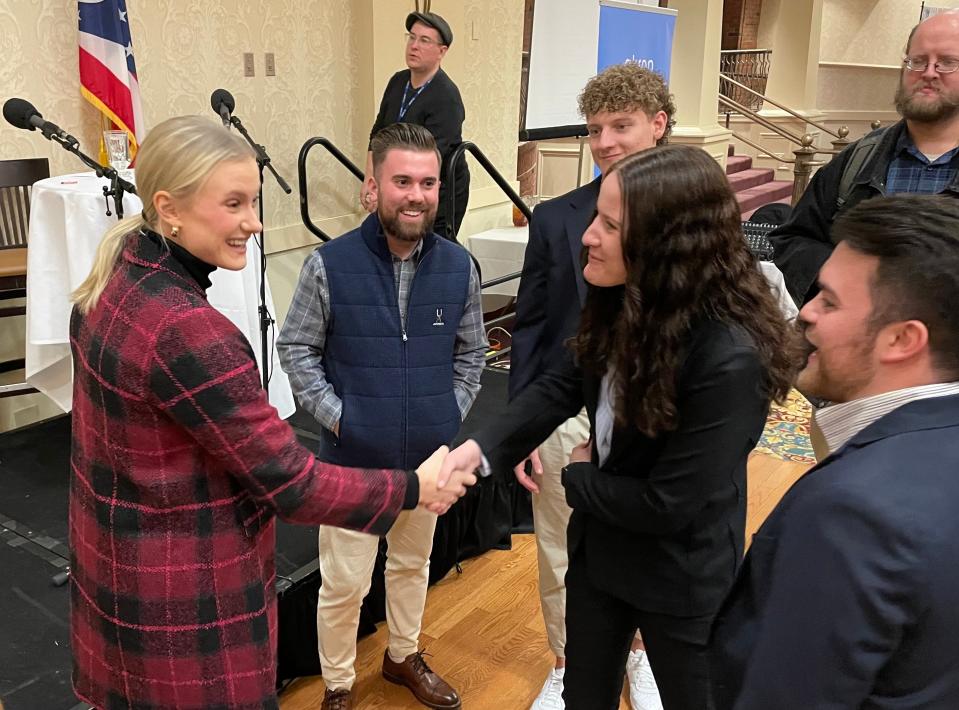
(550, 518)
(346, 565)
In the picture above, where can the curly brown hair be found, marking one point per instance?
(628, 87)
(686, 261)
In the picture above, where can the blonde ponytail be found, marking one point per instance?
(111, 246)
(177, 157)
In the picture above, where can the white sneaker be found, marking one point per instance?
(643, 693)
(551, 696)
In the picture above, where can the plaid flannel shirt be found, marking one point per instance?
(911, 171)
(179, 464)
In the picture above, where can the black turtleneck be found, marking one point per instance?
(195, 267)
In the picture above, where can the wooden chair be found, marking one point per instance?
(16, 179)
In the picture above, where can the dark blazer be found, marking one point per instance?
(551, 290)
(663, 520)
(849, 596)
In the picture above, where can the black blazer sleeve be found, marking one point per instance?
(721, 414)
(526, 422)
(531, 313)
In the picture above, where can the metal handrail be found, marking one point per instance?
(301, 173)
(472, 149)
(761, 149)
(821, 127)
(501, 279)
(788, 135)
(747, 65)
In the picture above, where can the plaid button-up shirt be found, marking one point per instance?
(911, 171)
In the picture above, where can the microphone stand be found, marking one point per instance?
(117, 184)
(266, 320)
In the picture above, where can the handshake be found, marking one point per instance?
(445, 475)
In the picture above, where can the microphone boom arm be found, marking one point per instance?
(117, 184)
(261, 155)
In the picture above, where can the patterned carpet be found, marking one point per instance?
(786, 435)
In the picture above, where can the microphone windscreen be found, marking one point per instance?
(18, 112)
(224, 97)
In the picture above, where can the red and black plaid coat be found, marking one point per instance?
(179, 465)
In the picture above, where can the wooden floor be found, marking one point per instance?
(484, 627)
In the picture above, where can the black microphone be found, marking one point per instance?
(23, 114)
(222, 102)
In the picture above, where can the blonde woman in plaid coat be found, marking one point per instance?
(179, 463)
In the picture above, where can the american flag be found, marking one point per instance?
(108, 75)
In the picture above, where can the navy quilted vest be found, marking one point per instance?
(396, 385)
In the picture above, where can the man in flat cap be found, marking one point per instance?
(425, 95)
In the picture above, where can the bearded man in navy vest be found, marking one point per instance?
(384, 345)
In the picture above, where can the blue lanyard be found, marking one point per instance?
(404, 106)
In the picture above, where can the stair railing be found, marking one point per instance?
(840, 136)
(302, 179)
(751, 66)
(805, 152)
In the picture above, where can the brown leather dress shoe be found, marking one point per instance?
(429, 688)
(337, 700)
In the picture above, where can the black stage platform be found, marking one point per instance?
(34, 633)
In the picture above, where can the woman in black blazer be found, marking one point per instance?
(680, 349)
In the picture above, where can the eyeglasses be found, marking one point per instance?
(943, 66)
(421, 40)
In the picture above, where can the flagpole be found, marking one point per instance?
(103, 156)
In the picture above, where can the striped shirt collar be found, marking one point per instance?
(841, 422)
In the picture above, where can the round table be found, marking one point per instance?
(67, 220)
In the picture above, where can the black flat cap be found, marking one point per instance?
(433, 20)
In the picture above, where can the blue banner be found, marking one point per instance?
(635, 33)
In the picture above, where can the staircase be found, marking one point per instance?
(755, 187)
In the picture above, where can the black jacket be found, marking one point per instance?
(803, 243)
(662, 521)
(552, 289)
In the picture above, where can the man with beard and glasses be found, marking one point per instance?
(384, 345)
(918, 154)
(848, 596)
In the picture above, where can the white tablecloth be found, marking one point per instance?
(67, 220)
(500, 252)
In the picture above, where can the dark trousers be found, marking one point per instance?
(599, 630)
